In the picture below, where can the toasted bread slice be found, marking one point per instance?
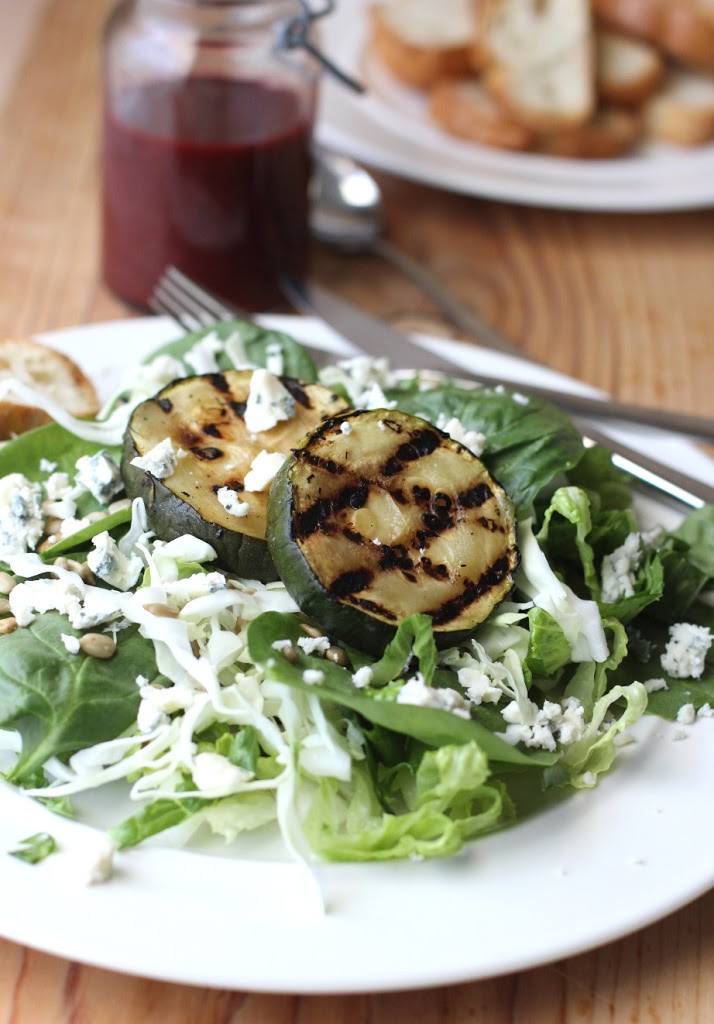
(682, 28)
(464, 108)
(683, 110)
(420, 41)
(611, 132)
(45, 370)
(542, 68)
(629, 70)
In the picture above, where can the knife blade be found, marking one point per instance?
(371, 336)
(379, 337)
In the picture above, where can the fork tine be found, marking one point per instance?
(162, 302)
(185, 301)
(202, 298)
(175, 294)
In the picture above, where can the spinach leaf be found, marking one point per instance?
(256, 342)
(54, 443)
(61, 702)
(431, 726)
(529, 444)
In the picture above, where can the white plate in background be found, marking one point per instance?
(389, 128)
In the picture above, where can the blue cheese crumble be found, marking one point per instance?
(269, 402)
(111, 565)
(232, 503)
(262, 470)
(474, 440)
(619, 568)
(21, 518)
(415, 691)
(160, 461)
(100, 475)
(685, 654)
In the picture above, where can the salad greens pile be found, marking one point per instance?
(226, 715)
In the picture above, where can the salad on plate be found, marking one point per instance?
(384, 612)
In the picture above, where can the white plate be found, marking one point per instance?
(388, 127)
(598, 866)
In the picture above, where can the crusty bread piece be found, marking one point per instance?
(682, 28)
(628, 70)
(683, 110)
(420, 41)
(464, 108)
(611, 132)
(45, 370)
(542, 68)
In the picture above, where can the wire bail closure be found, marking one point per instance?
(296, 33)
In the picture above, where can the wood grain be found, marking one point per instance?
(624, 302)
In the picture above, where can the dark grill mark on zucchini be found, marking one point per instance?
(353, 536)
(317, 516)
(238, 408)
(437, 572)
(208, 454)
(313, 518)
(491, 525)
(348, 583)
(356, 497)
(219, 382)
(297, 391)
(165, 404)
(421, 443)
(212, 430)
(472, 591)
(396, 557)
(329, 465)
(374, 608)
(475, 497)
(234, 485)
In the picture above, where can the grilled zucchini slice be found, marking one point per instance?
(204, 417)
(378, 515)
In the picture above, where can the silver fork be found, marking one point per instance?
(188, 303)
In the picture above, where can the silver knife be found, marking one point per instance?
(377, 338)
(402, 352)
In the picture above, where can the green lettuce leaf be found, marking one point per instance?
(451, 803)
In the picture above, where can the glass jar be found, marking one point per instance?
(207, 128)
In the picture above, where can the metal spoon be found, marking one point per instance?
(347, 213)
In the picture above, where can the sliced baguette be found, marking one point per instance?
(420, 41)
(465, 109)
(628, 70)
(542, 62)
(683, 110)
(682, 28)
(45, 370)
(610, 133)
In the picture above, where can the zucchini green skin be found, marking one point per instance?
(358, 533)
(204, 417)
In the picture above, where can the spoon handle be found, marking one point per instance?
(465, 319)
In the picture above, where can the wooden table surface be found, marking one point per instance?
(623, 302)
